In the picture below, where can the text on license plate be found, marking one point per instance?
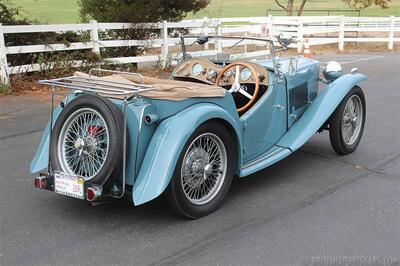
(69, 185)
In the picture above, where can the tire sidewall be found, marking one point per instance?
(337, 122)
(175, 190)
(111, 168)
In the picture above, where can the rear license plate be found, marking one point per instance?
(68, 185)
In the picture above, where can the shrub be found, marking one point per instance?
(4, 89)
(138, 12)
(62, 60)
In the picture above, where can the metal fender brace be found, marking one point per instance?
(125, 107)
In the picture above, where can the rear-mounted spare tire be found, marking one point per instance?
(87, 140)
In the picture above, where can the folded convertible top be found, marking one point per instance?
(165, 89)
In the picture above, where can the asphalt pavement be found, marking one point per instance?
(313, 208)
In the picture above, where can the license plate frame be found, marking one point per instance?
(69, 185)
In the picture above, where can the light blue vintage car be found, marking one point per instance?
(219, 116)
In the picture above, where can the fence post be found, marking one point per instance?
(205, 28)
(341, 34)
(164, 47)
(270, 25)
(4, 78)
(94, 36)
(391, 33)
(219, 33)
(246, 34)
(300, 41)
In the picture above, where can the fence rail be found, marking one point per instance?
(315, 30)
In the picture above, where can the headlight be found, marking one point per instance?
(332, 71)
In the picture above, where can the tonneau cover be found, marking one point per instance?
(165, 89)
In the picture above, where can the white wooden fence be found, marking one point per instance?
(316, 30)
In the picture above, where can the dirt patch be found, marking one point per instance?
(353, 48)
(349, 48)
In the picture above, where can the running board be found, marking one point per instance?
(274, 155)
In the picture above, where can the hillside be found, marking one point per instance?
(66, 11)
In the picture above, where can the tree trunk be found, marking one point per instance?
(280, 5)
(289, 8)
(303, 3)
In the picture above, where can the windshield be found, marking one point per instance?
(224, 49)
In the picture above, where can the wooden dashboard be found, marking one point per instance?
(206, 71)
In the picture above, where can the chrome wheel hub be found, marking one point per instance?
(90, 145)
(208, 170)
(203, 168)
(83, 143)
(79, 144)
(352, 120)
(198, 158)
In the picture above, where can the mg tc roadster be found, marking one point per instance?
(223, 113)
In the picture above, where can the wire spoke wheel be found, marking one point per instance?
(352, 120)
(346, 124)
(83, 143)
(203, 168)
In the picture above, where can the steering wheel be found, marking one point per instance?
(236, 86)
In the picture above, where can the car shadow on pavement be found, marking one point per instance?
(252, 191)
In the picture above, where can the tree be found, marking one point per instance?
(62, 60)
(10, 15)
(139, 11)
(289, 8)
(136, 12)
(361, 4)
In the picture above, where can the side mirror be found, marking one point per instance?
(285, 39)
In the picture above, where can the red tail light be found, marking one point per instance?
(43, 183)
(36, 182)
(93, 193)
(40, 182)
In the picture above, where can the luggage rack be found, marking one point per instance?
(105, 88)
(95, 84)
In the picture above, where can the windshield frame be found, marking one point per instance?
(269, 41)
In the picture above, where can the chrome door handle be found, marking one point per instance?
(279, 107)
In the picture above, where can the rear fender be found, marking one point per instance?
(319, 111)
(41, 159)
(166, 146)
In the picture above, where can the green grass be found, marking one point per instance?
(50, 11)
(66, 11)
(252, 8)
(4, 89)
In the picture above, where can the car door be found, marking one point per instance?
(266, 122)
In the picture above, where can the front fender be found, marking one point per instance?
(166, 145)
(319, 111)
